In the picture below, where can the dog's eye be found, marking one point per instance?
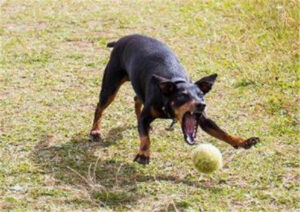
(182, 98)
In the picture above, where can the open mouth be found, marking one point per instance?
(189, 127)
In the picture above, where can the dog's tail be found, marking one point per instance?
(111, 44)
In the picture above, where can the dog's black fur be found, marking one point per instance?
(162, 87)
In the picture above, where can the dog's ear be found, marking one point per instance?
(205, 84)
(166, 86)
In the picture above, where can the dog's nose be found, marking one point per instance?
(200, 106)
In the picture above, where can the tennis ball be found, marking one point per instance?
(207, 158)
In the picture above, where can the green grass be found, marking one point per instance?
(52, 59)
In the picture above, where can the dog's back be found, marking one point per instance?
(142, 57)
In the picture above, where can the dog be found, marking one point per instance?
(162, 88)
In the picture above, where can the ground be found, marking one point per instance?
(52, 58)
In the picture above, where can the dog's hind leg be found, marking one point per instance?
(113, 78)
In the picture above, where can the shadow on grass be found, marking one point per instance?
(109, 182)
(114, 135)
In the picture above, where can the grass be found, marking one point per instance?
(52, 59)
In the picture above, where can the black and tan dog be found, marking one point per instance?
(162, 88)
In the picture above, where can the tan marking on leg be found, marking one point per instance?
(97, 118)
(145, 146)
(99, 110)
(137, 107)
(232, 140)
(125, 79)
(154, 113)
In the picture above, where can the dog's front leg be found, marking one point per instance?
(214, 130)
(143, 156)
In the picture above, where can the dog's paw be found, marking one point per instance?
(142, 159)
(250, 142)
(95, 136)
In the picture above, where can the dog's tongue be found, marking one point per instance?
(190, 125)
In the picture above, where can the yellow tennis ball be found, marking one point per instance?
(207, 158)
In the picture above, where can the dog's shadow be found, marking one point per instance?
(114, 135)
(108, 182)
(75, 164)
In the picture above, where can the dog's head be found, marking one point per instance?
(186, 99)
